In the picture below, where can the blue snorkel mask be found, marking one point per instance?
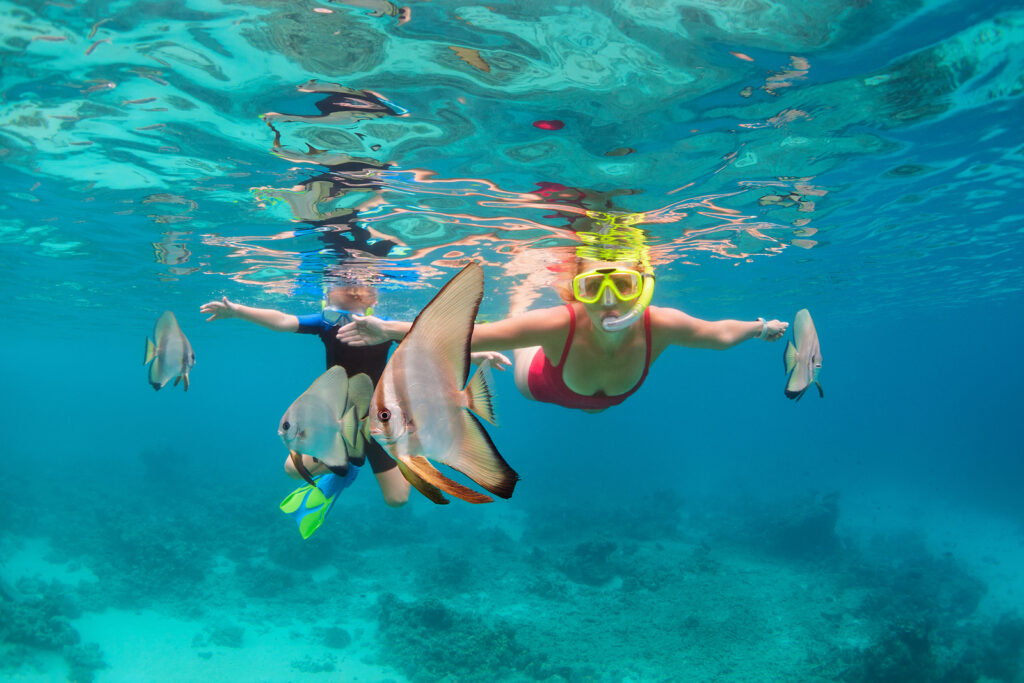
(336, 316)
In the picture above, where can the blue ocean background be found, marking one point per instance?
(860, 160)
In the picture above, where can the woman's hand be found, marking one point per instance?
(364, 330)
(497, 360)
(219, 310)
(774, 330)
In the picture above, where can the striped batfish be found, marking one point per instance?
(423, 409)
(803, 360)
(325, 422)
(170, 356)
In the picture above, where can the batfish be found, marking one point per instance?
(171, 355)
(423, 409)
(803, 360)
(325, 422)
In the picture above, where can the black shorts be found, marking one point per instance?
(380, 461)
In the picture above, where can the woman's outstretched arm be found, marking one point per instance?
(672, 326)
(542, 327)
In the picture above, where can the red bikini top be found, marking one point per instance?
(546, 383)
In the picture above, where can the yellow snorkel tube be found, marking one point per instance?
(623, 321)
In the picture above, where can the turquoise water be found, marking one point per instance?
(862, 160)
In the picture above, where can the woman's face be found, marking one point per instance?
(608, 305)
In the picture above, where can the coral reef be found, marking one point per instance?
(590, 563)
(312, 665)
(922, 614)
(428, 641)
(736, 592)
(39, 620)
(335, 637)
(220, 635)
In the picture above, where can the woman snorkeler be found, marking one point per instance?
(596, 350)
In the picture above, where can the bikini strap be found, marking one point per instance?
(568, 340)
(647, 357)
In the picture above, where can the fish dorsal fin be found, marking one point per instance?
(428, 490)
(360, 393)
(332, 388)
(446, 323)
(479, 460)
(421, 467)
(479, 397)
(789, 357)
(800, 322)
(165, 324)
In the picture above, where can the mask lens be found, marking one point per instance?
(592, 286)
(626, 284)
(336, 316)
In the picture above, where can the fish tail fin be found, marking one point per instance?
(422, 468)
(479, 460)
(479, 396)
(150, 351)
(428, 490)
(789, 356)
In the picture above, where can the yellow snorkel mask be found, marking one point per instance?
(624, 283)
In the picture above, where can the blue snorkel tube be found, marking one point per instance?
(629, 317)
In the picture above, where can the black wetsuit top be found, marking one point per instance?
(355, 359)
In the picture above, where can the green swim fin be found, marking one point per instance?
(309, 504)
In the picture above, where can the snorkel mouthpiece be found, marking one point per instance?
(629, 317)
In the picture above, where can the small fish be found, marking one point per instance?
(803, 360)
(325, 422)
(171, 355)
(421, 409)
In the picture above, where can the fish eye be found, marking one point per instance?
(383, 415)
(286, 425)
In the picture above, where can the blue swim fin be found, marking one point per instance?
(309, 505)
